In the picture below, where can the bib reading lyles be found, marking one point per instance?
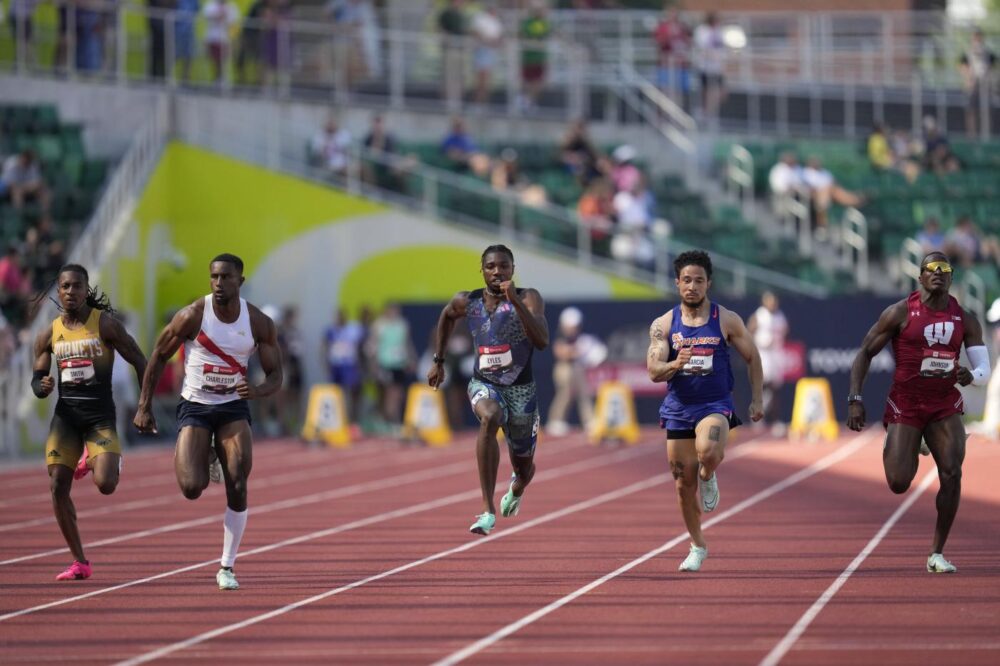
(219, 378)
(76, 371)
(496, 357)
(937, 363)
(700, 362)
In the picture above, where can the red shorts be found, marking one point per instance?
(920, 410)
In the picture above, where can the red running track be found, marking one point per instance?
(363, 557)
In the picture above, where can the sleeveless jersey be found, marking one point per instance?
(216, 361)
(928, 347)
(503, 350)
(707, 377)
(83, 361)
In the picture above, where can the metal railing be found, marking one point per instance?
(99, 239)
(854, 245)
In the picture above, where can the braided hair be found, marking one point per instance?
(95, 298)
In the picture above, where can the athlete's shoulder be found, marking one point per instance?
(661, 325)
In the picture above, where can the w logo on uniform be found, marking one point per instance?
(939, 332)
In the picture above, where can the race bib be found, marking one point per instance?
(701, 361)
(937, 363)
(495, 358)
(76, 371)
(219, 378)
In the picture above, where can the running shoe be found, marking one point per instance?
(694, 559)
(709, 491)
(78, 571)
(937, 564)
(214, 467)
(510, 504)
(226, 579)
(81, 467)
(484, 524)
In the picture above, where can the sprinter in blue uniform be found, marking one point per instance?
(689, 349)
(507, 326)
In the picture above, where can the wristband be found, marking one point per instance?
(854, 397)
(36, 382)
(438, 360)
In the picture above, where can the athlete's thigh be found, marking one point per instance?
(901, 448)
(711, 434)
(235, 445)
(487, 403)
(683, 458)
(191, 452)
(64, 443)
(522, 420)
(946, 440)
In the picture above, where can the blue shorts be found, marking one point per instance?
(211, 417)
(670, 78)
(680, 421)
(345, 376)
(519, 419)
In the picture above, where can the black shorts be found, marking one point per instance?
(211, 417)
(78, 423)
(734, 422)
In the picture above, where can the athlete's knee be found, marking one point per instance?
(710, 459)
(949, 474)
(237, 487)
(191, 490)
(59, 487)
(898, 483)
(489, 419)
(106, 486)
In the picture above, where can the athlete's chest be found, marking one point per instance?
(933, 329)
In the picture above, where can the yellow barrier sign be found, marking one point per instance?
(425, 417)
(614, 414)
(813, 415)
(326, 417)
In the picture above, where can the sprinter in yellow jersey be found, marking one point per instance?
(83, 341)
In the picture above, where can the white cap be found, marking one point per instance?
(624, 153)
(570, 318)
(993, 314)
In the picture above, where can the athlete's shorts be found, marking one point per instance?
(680, 422)
(81, 422)
(211, 417)
(520, 412)
(920, 411)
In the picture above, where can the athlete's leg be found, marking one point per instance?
(524, 471)
(60, 482)
(683, 458)
(105, 457)
(234, 444)
(899, 455)
(490, 413)
(711, 435)
(191, 460)
(946, 440)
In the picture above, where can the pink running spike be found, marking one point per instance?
(81, 467)
(76, 571)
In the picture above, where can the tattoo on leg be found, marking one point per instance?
(677, 469)
(715, 433)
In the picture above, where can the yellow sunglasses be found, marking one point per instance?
(935, 266)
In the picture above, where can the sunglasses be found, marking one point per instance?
(935, 266)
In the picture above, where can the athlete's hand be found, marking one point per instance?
(246, 391)
(964, 376)
(435, 375)
(144, 421)
(756, 410)
(856, 416)
(508, 290)
(683, 357)
(48, 383)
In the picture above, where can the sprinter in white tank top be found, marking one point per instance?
(219, 333)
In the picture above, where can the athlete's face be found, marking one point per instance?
(935, 274)
(72, 288)
(226, 281)
(693, 284)
(497, 268)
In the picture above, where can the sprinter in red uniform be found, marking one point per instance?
(927, 331)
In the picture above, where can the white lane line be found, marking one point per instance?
(555, 515)
(554, 473)
(793, 635)
(497, 636)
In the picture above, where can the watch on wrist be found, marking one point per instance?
(439, 360)
(854, 397)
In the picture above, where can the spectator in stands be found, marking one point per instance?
(348, 55)
(785, 177)
(624, 173)
(673, 44)
(221, 16)
(506, 175)
(8, 339)
(22, 29)
(15, 287)
(969, 245)
(156, 21)
(451, 23)
(384, 168)
(249, 48)
(931, 238)
(879, 152)
(459, 147)
(710, 52)
(329, 149)
(187, 12)
(575, 352)
(631, 242)
(90, 24)
(976, 67)
(596, 211)
(275, 40)
(824, 190)
(487, 29)
(23, 182)
(536, 29)
(578, 154)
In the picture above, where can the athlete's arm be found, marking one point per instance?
(42, 382)
(531, 310)
(265, 334)
(657, 365)
(887, 327)
(975, 348)
(451, 313)
(739, 337)
(184, 326)
(116, 337)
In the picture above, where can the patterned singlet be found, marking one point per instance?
(503, 350)
(83, 361)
